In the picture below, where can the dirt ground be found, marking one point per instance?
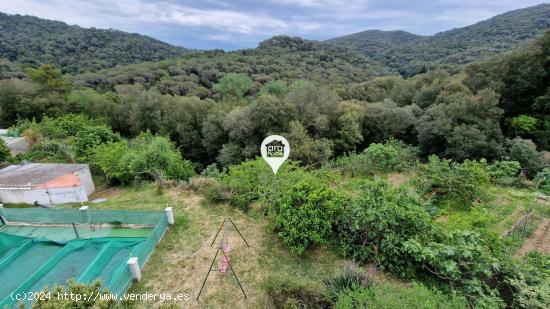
(538, 241)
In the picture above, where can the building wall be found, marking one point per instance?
(45, 196)
(87, 181)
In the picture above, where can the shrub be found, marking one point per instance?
(504, 172)
(392, 156)
(296, 292)
(77, 289)
(452, 256)
(543, 180)
(246, 182)
(376, 223)
(525, 152)
(445, 180)
(532, 284)
(4, 151)
(305, 214)
(146, 157)
(107, 158)
(253, 180)
(212, 171)
(91, 136)
(391, 295)
(351, 279)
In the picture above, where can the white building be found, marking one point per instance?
(45, 183)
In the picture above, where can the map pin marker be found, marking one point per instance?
(275, 150)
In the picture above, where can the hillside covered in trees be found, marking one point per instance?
(412, 156)
(412, 54)
(32, 41)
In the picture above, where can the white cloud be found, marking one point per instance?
(249, 21)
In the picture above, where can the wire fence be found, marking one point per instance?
(526, 223)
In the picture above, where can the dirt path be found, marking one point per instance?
(538, 241)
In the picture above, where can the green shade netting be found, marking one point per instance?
(35, 257)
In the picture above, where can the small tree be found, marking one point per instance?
(234, 85)
(305, 214)
(524, 125)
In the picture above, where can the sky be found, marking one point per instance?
(229, 25)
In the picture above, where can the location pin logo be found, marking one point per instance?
(275, 150)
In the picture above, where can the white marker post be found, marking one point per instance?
(170, 215)
(275, 150)
(134, 268)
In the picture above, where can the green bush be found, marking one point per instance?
(525, 152)
(305, 214)
(146, 157)
(247, 181)
(452, 256)
(532, 283)
(253, 180)
(504, 172)
(376, 223)
(445, 180)
(543, 180)
(107, 158)
(156, 157)
(89, 137)
(392, 156)
(212, 171)
(398, 296)
(5, 153)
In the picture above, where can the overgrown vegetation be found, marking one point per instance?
(467, 139)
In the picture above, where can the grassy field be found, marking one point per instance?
(180, 262)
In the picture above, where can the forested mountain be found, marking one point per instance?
(412, 54)
(32, 41)
(279, 58)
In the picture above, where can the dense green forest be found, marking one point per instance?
(412, 54)
(463, 117)
(32, 41)
(468, 115)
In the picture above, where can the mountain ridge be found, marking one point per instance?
(452, 47)
(32, 41)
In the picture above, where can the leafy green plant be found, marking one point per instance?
(376, 223)
(532, 282)
(212, 171)
(306, 214)
(391, 156)
(146, 157)
(91, 136)
(543, 180)
(444, 180)
(350, 279)
(525, 152)
(504, 172)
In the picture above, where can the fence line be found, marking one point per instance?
(523, 221)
